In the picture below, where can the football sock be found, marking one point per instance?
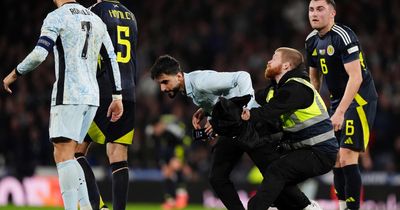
(353, 186)
(180, 180)
(342, 205)
(120, 182)
(93, 191)
(169, 188)
(68, 178)
(339, 182)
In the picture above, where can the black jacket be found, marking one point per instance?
(288, 97)
(226, 121)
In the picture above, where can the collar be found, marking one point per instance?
(297, 72)
(70, 2)
(188, 84)
(329, 31)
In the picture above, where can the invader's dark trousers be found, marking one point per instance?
(226, 153)
(289, 170)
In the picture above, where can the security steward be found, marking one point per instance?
(308, 142)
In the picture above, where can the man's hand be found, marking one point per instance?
(115, 110)
(245, 114)
(208, 127)
(197, 118)
(9, 79)
(337, 120)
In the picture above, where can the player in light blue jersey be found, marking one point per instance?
(76, 36)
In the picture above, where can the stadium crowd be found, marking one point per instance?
(203, 34)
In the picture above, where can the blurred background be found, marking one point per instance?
(225, 35)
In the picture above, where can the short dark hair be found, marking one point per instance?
(165, 64)
(331, 2)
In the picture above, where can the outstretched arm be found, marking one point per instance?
(49, 33)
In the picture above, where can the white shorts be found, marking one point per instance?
(71, 121)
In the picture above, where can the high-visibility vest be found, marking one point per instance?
(308, 126)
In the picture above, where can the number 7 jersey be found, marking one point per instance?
(76, 35)
(122, 28)
(329, 54)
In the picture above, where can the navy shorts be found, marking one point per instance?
(358, 122)
(102, 130)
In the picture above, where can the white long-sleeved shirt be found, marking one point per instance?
(76, 35)
(206, 86)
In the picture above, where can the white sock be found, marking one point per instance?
(67, 177)
(313, 206)
(342, 205)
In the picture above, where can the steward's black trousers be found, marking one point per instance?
(226, 153)
(289, 170)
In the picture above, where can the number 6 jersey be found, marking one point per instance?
(329, 54)
(76, 35)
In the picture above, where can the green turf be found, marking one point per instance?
(129, 207)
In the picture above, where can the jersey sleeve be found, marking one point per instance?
(348, 44)
(219, 82)
(311, 56)
(113, 61)
(48, 36)
(243, 81)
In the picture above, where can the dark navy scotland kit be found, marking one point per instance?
(122, 27)
(329, 54)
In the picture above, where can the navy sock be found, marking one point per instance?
(339, 182)
(120, 182)
(93, 191)
(169, 188)
(353, 186)
(180, 180)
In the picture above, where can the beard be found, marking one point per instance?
(172, 93)
(271, 72)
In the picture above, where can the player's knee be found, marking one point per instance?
(175, 164)
(61, 156)
(64, 152)
(115, 156)
(348, 157)
(82, 148)
(348, 161)
(117, 152)
(166, 171)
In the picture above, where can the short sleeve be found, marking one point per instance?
(347, 42)
(311, 56)
(310, 47)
